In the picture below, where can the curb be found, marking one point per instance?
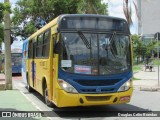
(151, 89)
(2, 84)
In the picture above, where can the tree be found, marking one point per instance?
(4, 8)
(1, 12)
(31, 13)
(1, 26)
(141, 49)
(1, 34)
(127, 9)
(8, 66)
(92, 7)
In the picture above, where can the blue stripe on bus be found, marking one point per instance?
(87, 83)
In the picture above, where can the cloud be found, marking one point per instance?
(116, 11)
(13, 1)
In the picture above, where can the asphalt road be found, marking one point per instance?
(144, 101)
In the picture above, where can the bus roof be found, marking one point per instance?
(47, 26)
(89, 15)
(92, 22)
(58, 20)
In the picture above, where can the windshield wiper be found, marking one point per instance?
(84, 39)
(112, 37)
(110, 43)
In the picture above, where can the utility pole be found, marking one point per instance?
(8, 67)
(158, 54)
(157, 36)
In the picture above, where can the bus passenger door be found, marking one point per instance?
(54, 66)
(31, 63)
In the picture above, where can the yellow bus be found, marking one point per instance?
(81, 60)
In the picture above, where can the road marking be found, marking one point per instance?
(30, 100)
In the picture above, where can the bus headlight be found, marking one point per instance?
(125, 86)
(66, 86)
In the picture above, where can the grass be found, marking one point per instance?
(155, 62)
(135, 78)
(136, 68)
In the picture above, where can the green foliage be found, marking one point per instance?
(137, 68)
(140, 49)
(4, 8)
(1, 34)
(7, 7)
(27, 11)
(1, 12)
(92, 7)
(156, 62)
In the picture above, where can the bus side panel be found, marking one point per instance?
(42, 73)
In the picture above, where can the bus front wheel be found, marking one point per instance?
(48, 102)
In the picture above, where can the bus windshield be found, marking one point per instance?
(95, 54)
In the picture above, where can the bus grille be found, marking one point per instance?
(95, 91)
(97, 82)
(98, 98)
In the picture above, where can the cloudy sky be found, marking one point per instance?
(115, 8)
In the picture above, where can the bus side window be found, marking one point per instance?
(30, 49)
(46, 45)
(54, 44)
(39, 46)
(34, 49)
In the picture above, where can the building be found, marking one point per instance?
(149, 18)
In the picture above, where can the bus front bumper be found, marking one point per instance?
(64, 99)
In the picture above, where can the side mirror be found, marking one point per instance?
(58, 47)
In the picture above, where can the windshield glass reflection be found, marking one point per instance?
(95, 54)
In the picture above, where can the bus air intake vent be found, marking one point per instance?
(93, 91)
(98, 98)
(97, 82)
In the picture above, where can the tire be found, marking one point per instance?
(29, 88)
(48, 103)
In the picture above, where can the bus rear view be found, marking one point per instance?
(16, 62)
(94, 61)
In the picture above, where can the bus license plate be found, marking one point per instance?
(124, 98)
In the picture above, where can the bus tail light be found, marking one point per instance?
(125, 86)
(66, 86)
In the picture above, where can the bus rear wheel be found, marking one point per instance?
(47, 101)
(29, 88)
